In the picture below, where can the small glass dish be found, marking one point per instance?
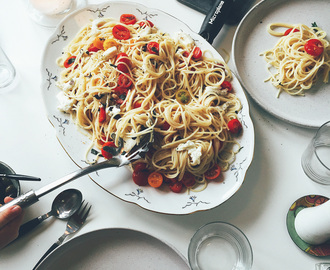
(220, 245)
(8, 187)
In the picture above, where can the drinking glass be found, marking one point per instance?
(49, 13)
(316, 158)
(7, 71)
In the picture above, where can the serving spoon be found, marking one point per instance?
(64, 205)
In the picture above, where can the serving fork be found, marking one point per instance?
(74, 223)
(119, 159)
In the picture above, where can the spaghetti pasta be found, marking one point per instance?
(150, 102)
(292, 69)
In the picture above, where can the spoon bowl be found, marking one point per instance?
(64, 206)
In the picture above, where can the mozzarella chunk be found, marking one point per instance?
(65, 102)
(194, 151)
(110, 53)
(184, 39)
(215, 90)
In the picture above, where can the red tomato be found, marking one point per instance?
(176, 187)
(188, 179)
(102, 114)
(234, 126)
(140, 166)
(153, 47)
(92, 48)
(104, 152)
(128, 19)
(137, 104)
(121, 32)
(69, 62)
(146, 23)
(287, 32)
(123, 62)
(141, 177)
(165, 126)
(227, 85)
(213, 172)
(314, 47)
(197, 53)
(124, 81)
(186, 54)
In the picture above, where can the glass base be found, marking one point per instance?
(51, 21)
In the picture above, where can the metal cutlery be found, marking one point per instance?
(120, 160)
(20, 177)
(75, 222)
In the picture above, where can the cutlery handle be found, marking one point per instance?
(24, 200)
(215, 19)
(55, 245)
(29, 226)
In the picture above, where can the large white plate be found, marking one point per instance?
(251, 38)
(115, 249)
(119, 181)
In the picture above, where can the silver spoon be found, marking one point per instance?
(64, 205)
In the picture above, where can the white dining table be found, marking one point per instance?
(29, 145)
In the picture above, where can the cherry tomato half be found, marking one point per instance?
(98, 43)
(128, 19)
(140, 166)
(287, 32)
(227, 85)
(141, 177)
(106, 154)
(124, 81)
(102, 114)
(121, 32)
(176, 187)
(213, 172)
(234, 126)
(153, 47)
(146, 23)
(197, 53)
(188, 179)
(137, 104)
(69, 62)
(92, 48)
(314, 47)
(183, 96)
(123, 62)
(155, 179)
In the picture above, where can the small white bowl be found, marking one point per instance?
(220, 245)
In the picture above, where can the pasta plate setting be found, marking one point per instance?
(251, 39)
(118, 181)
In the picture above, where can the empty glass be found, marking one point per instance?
(316, 158)
(7, 71)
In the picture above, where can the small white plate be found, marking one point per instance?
(115, 249)
(118, 181)
(251, 39)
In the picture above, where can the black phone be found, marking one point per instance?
(237, 12)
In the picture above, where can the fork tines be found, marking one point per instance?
(81, 211)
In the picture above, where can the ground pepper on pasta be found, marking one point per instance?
(122, 79)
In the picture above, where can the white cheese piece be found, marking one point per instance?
(110, 53)
(66, 87)
(145, 31)
(129, 144)
(215, 90)
(184, 39)
(65, 102)
(194, 151)
(113, 110)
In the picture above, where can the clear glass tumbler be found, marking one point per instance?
(49, 13)
(7, 71)
(316, 158)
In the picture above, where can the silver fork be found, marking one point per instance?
(74, 223)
